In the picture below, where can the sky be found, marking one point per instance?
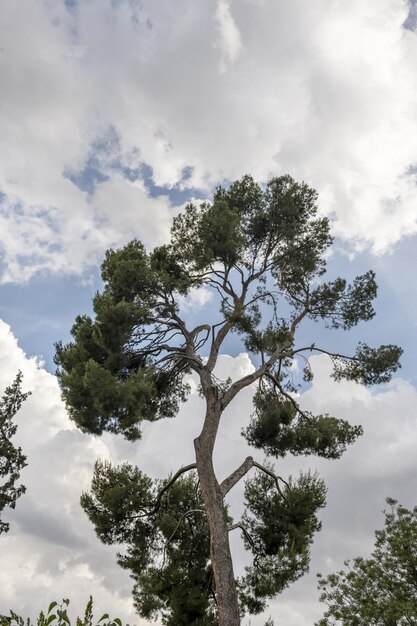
(113, 115)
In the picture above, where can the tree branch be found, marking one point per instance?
(272, 475)
(235, 476)
(280, 353)
(289, 397)
(215, 346)
(170, 482)
(241, 384)
(334, 355)
(190, 512)
(190, 349)
(245, 532)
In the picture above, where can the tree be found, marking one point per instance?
(262, 253)
(381, 590)
(12, 460)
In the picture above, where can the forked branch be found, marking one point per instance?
(274, 476)
(243, 469)
(244, 530)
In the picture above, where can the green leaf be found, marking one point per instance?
(51, 618)
(104, 616)
(52, 606)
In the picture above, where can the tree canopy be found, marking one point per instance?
(380, 590)
(262, 252)
(12, 459)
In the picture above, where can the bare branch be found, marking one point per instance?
(272, 475)
(245, 532)
(280, 353)
(335, 355)
(297, 320)
(190, 512)
(289, 397)
(170, 482)
(235, 476)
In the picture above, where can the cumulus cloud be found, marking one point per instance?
(196, 299)
(52, 551)
(230, 41)
(213, 90)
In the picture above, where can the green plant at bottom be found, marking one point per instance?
(57, 615)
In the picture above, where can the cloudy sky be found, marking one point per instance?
(114, 114)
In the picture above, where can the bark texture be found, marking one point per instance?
(226, 594)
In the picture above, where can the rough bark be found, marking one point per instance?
(226, 594)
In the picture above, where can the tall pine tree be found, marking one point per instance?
(262, 251)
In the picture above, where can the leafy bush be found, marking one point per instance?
(57, 615)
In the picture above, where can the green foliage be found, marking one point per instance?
(108, 381)
(280, 526)
(380, 590)
(262, 253)
(279, 428)
(57, 615)
(12, 459)
(370, 366)
(127, 365)
(167, 546)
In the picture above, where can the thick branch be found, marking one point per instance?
(298, 319)
(171, 481)
(235, 476)
(242, 383)
(215, 346)
(190, 349)
(280, 353)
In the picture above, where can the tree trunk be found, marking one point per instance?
(226, 594)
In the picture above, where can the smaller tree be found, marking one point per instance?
(381, 590)
(12, 460)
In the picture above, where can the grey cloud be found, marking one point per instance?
(326, 92)
(410, 22)
(45, 524)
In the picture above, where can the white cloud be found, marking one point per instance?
(324, 91)
(229, 35)
(195, 299)
(52, 551)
